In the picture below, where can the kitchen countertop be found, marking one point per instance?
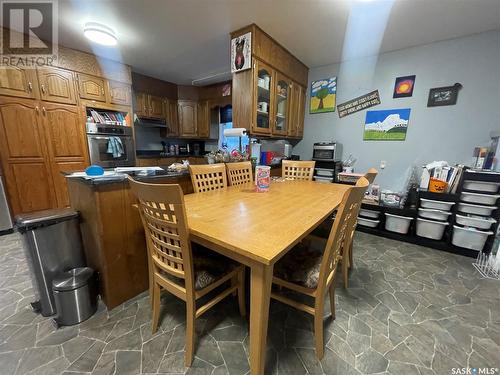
(120, 177)
(157, 154)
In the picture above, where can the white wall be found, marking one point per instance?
(436, 133)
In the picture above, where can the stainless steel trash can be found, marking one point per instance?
(52, 244)
(75, 293)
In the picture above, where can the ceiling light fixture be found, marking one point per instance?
(100, 34)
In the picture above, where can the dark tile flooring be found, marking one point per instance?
(409, 310)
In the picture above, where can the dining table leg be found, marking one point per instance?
(260, 296)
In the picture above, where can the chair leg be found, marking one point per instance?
(332, 299)
(350, 255)
(156, 306)
(241, 292)
(345, 268)
(234, 281)
(190, 331)
(318, 326)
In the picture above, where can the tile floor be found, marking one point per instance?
(409, 310)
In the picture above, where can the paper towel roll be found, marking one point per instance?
(235, 132)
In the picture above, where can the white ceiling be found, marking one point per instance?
(183, 40)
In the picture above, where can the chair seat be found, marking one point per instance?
(208, 267)
(301, 265)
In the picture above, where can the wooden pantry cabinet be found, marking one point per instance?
(56, 85)
(18, 82)
(119, 93)
(269, 99)
(91, 87)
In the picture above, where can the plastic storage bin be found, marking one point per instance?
(469, 238)
(478, 222)
(430, 228)
(436, 205)
(488, 199)
(476, 209)
(369, 213)
(368, 222)
(398, 224)
(428, 213)
(487, 187)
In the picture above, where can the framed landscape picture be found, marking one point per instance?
(323, 95)
(386, 125)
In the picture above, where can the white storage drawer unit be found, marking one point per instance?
(475, 209)
(478, 222)
(430, 228)
(428, 213)
(369, 213)
(487, 199)
(486, 187)
(469, 238)
(436, 205)
(368, 222)
(398, 224)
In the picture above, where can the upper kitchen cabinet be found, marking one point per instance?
(296, 111)
(156, 106)
(262, 95)
(188, 118)
(203, 119)
(56, 85)
(172, 118)
(91, 87)
(149, 106)
(119, 93)
(18, 82)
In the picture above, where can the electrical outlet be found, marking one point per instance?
(383, 164)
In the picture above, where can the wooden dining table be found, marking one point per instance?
(257, 229)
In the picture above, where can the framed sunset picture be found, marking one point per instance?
(403, 88)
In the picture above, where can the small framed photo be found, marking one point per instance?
(440, 96)
(241, 53)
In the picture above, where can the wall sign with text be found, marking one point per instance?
(358, 104)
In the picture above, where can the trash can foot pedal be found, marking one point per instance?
(55, 323)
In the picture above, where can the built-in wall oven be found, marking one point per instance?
(327, 151)
(110, 145)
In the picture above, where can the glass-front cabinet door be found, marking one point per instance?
(282, 104)
(264, 81)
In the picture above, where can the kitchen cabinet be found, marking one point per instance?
(150, 106)
(56, 85)
(18, 82)
(66, 144)
(188, 118)
(263, 97)
(281, 107)
(156, 106)
(203, 119)
(296, 111)
(119, 93)
(141, 104)
(24, 156)
(172, 118)
(91, 87)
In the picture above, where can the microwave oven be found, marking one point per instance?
(327, 151)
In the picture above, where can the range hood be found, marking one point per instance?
(147, 122)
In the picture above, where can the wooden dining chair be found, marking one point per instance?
(347, 257)
(298, 169)
(311, 270)
(173, 265)
(208, 177)
(239, 173)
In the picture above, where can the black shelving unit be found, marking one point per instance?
(445, 243)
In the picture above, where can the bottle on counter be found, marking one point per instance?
(177, 149)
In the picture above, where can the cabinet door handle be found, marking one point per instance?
(43, 88)
(102, 90)
(44, 111)
(30, 87)
(37, 109)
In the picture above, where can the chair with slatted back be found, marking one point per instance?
(239, 173)
(311, 270)
(298, 169)
(348, 249)
(208, 177)
(187, 273)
